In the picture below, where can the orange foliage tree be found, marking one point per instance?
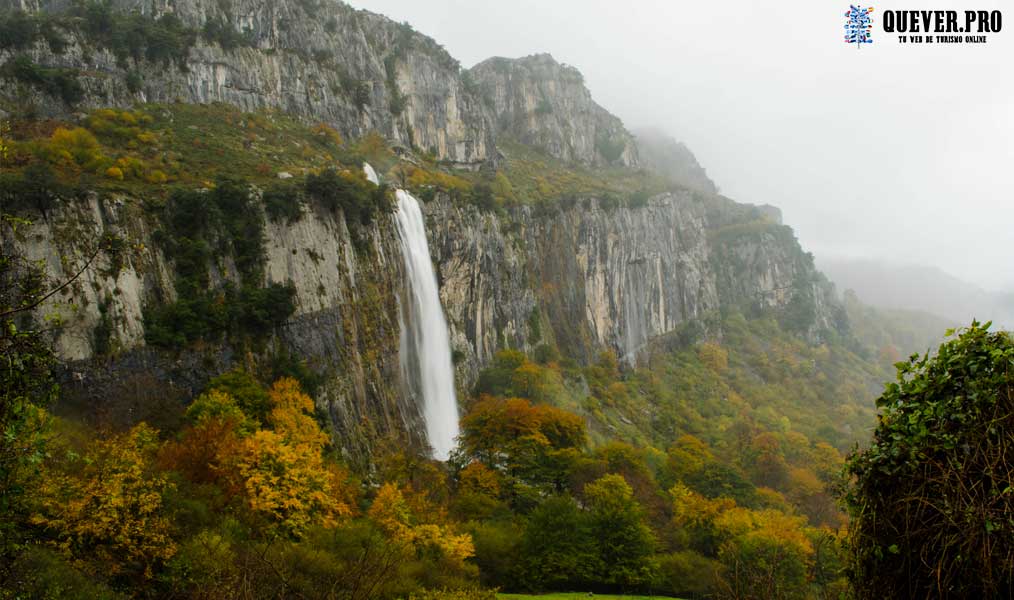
(532, 445)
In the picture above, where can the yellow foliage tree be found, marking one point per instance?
(292, 415)
(105, 508)
(477, 478)
(289, 486)
(767, 553)
(286, 480)
(75, 147)
(714, 357)
(390, 511)
(327, 132)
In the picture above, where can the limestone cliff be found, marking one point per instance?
(325, 61)
(345, 327)
(583, 277)
(588, 277)
(543, 103)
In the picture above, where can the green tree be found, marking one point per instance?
(558, 549)
(931, 499)
(625, 543)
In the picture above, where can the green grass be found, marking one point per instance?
(157, 146)
(536, 177)
(579, 596)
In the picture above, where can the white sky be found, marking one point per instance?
(901, 153)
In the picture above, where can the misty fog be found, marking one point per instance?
(890, 152)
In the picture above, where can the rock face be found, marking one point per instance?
(543, 103)
(355, 70)
(586, 277)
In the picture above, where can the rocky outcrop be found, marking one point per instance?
(325, 61)
(545, 104)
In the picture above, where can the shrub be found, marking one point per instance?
(225, 35)
(36, 189)
(639, 199)
(135, 36)
(196, 223)
(358, 199)
(18, 30)
(609, 203)
(931, 499)
(611, 148)
(42, 573)
(75, 147)
(482, 196)
(114, 173)
(283, 201)
(688, 573)
(134, 82)
(60, 83)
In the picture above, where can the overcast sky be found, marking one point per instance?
(894, 152)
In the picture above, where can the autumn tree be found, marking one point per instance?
(392, 513)
(279, 475)
(763, 553)
(767, 461)
(104, 508)
(533, 446)
(286, 480)
(478, 493)
(767, 554)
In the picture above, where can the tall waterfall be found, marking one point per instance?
(425, 343)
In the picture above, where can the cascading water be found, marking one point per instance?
(425, 343)
(371, 175)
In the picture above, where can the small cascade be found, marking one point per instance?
(371, 175)
(425, 343)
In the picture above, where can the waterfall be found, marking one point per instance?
(425, 343)
(371, 174)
